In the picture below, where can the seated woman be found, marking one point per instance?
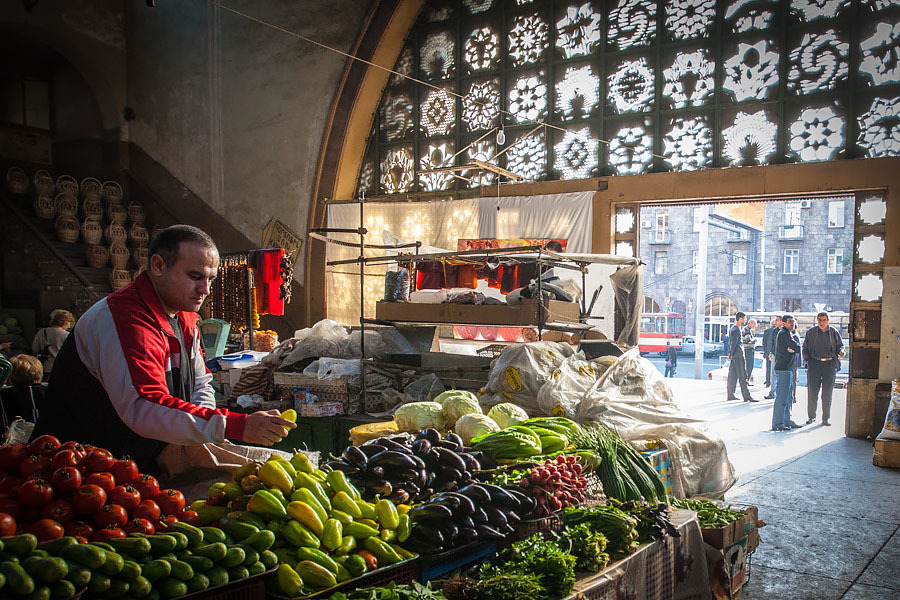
(25, 392)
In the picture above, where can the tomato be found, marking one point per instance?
(59, 510)
(125, 471)
(9, 484)
(45, 445)
(98, 460)
(65, 480)
(189, 516)
(11, 506)
(7, 525)
(45, 475)
(47, 529)
(12, 456)
(125, 496)
(163, 523)
(140, 526)
(147, 509)
(88, 499)
(111, 515)
(79, 529)
(32, 463)
(79, 450)
(103, 479)
(65, 458)
(35, 493)
(170, 501)
(108, 533)
(147, 485)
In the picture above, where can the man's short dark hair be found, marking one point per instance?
(553, 246)
(786, 317)
(739, 315)
(168, 241)
(822, 314)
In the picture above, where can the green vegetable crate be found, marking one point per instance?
(723, 537)
(435, 565)
(400, 573)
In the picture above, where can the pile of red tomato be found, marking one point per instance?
(53, 489)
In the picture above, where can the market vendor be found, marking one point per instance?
(132, 377)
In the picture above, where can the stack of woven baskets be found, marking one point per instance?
(112, 230)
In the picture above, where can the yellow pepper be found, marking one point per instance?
(273, 475)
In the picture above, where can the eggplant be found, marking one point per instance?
(383, 488)
(348, 469)
(466, 506)
(527, 504)
(354, 456)
(399, 439)
(466, 478)
(422, 545)
(479, 516)
(412, 489)
(421, 478)
(450, 532)
(500, 497)
(447, 445)
(393, 446)
(445, 473)
(452, 437)
(467, 535)
(420, 464)
(393, 461)
(421, 447)
(512, 518)
(451, 459)
(371, 449)
(432, 435)
(377, 472)
(466, 523)
(448, 501)
(400, 496)
(402, 474)
(431, 458)
(471, 463)
(496, 517)
(488, 534)
(476, 493)
(445, 485)
(430, 512)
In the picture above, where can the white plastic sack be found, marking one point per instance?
(518, 374)
(632, 399)
(891, 429)
(562, 393)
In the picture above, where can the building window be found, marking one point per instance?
(791, 304)
(739, 262)
(836, 213)
(835, 265)
(791, 261)
(661, 232)
(698, 219)
(661, 263)
(650, 306)
(694, 257)
(792, 214)
(27, 102)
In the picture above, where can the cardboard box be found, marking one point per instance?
(746, 527)
(321, 409)
(525, 315)
(886, 453)
(735, 557)
(658, 457)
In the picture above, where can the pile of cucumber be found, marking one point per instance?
(183, 560)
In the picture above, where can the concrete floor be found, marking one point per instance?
(832, 517)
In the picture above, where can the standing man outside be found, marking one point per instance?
(671, 361)
(822, 352)
(769, 350)
(785, 351)
(748, 340)
(737, 372)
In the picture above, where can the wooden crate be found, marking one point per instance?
(886, 453)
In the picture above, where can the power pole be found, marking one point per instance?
(700, 304)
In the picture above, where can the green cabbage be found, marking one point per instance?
(508, 414)
(416, 416)
(459, 404)
(472, 425)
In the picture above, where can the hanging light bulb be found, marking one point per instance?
(501, 136)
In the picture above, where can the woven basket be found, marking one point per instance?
(92, 231)
(119, 278)
(116, 233)
(118, 255)
(44, 184)
(139, 256)
(92, 208)
(138, 236)
(16, 180)
(44, 207)
(66, 184)
(66, 205)
(135, 213)
(111, 192)
(117, 213)
(97, 256)
(67, 229)
(91, 187)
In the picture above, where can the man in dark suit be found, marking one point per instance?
(769, 351)
(822, 351)
(786, 349)
(737, 371)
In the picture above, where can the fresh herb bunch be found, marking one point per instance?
(392, 591)
(553, 566)
(509, 477)
(619, 527)
(653, 518)
(710, 514)
(587, 545)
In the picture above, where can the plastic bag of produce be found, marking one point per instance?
(562, 393)
(521, 370)
(891, 429)
(416, 416)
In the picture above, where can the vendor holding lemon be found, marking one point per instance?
(132, 378)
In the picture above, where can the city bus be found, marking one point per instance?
(659, 331)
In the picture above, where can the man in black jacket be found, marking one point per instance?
(737, 371)
(822, 352)
(785, 351)
(769, 352)
(671, 361)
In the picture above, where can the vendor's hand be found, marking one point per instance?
(266, 427)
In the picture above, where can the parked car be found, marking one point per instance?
(840, 378)
(758, 374)
(688, 346)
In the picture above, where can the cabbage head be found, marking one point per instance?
(444, 396)
(473, 425)
(508, 414)
(462, 403)
(416, 416)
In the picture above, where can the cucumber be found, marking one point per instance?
(200, 564)
(20, 545)
(133, 546)
(62, 589)
(250, 555)
(256, 568)
(78, 575)
(140, 587)
(182, 541)
(92, 557)
(156, 570)
(234, 557)
(113, 565)
(238, 573)
(117, 588)
(171, 588)
(260, 541)
(54, 546)
(217, 576)
(180, 569)
(18, 581)
(45, 570)
(198, 583)
(194, 534)
(99, 583)
(213, 534)
(130, 571)
(161, 543)
(215, 551)
(237, 529)
(268, 558)
(41, 592)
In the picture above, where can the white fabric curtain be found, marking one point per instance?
(558, 216)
